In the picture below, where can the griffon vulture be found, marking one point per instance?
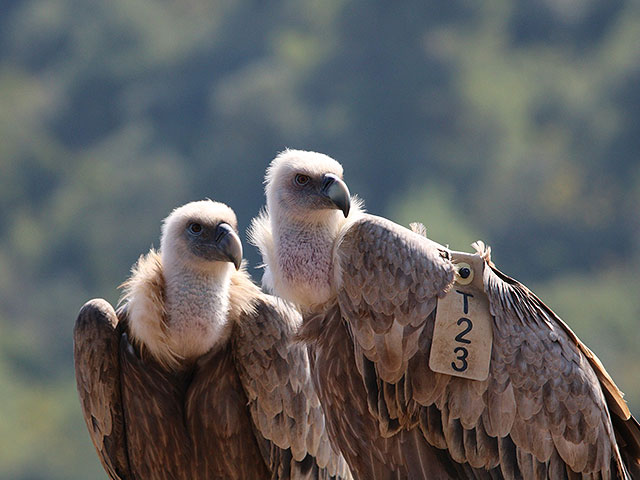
(195, 377)
(507, 390)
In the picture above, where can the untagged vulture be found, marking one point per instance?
(195, 376)
(431, 363)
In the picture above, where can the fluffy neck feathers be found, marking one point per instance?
(197, 304)
(304, 259)
(299, 253)
(177, 314)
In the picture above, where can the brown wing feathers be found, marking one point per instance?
(543, 409)
(156, 435)
(96, 342)
(225, 441)
(343, 398)
(548, 409)
(587, 405)
(276, 378)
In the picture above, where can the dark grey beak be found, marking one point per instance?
(337, 191)
(229, 244)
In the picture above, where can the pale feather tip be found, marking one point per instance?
(419, 228)
(483, 250)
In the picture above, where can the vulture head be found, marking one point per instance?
(308, 206)
(177, 300)
(306, 186)
(201, 236)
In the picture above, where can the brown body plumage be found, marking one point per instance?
(548, 409)
(244, 409)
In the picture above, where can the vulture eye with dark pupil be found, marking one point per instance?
(302, 179)
(195, 228)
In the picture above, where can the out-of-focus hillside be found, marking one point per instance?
(515, 122)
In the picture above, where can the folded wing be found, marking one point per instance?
(546, 405)
(275, 374)
(96, 341)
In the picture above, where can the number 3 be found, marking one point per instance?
(462, 357)
(462, 352)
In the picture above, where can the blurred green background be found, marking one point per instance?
(514, 122)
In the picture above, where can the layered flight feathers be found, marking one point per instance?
(276, 378)
(543, 405)
(587, 394)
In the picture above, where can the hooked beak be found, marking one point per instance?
(229, 244)
(337, 191)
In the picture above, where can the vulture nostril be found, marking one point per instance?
(327, 182)
(220, 232)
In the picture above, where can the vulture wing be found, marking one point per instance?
(544, 409)
(157, 439)
(96, 338)
(573, 393)
(274, 371)
(224, 440)
(133, 410)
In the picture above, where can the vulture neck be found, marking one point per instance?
(197, 305)
(304, 260)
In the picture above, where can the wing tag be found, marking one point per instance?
(462, 335)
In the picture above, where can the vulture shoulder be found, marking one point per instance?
(547, 406)
(96, 338)
(274, 371)
(388, 283)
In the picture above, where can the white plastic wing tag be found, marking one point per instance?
(463, 334)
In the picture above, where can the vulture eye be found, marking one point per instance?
(302, 179)
(195, 228)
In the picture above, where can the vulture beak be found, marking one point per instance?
(337, 191)
(229, 244)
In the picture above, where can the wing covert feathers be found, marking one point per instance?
(96, 340)
(544, 412)
(581, 405)
(276, 378)
(390, 279)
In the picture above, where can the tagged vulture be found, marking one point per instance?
(195, 377)
(405, 395)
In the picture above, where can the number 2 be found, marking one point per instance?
(460, 337)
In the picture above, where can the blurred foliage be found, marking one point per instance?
(515, 122)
